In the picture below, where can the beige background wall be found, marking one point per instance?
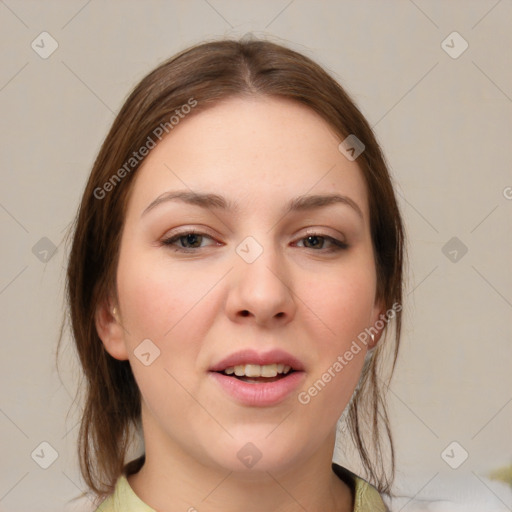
(444, 123)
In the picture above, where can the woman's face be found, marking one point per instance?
(244, 264)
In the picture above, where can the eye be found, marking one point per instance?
(190, 241)
(316, 241)
(186, 241)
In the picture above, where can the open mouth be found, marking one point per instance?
(258, 379)
(258, 374)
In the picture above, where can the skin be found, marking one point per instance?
(198, 307)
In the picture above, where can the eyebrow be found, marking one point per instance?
(215, 201)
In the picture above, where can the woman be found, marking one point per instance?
(236, 262)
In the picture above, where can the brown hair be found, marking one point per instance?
(208, 73)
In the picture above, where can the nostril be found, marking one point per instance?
(245, 313)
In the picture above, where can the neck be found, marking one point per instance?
(171, 479)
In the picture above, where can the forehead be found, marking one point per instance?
(257, 151)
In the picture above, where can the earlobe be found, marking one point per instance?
(377, 323)
(110, 331)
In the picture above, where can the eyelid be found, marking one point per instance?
(185, 230)
(312, 231)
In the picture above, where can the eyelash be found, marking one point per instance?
(337, 245)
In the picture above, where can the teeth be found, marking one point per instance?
(255, 370)
(269, 370)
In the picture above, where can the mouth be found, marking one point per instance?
(255, 373)
(258, 379)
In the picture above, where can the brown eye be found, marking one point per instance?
(192, 239)
(317, 242)
(186, 241)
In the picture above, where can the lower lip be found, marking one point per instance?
(259, 394)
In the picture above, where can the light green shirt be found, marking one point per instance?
(366, 497)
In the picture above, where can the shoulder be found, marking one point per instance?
(366, 497)
(123, 499)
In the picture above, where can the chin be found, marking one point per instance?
(251, 454)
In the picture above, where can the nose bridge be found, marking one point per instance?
(261, 286)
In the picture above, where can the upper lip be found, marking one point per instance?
(250, 356)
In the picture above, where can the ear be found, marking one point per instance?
(377, 322)
(110, 330)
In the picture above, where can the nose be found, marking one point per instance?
(261, 292)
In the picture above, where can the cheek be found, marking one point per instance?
(174, 308)
(343, 301)
(161, 304)
(342, 304)
(156, 296)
